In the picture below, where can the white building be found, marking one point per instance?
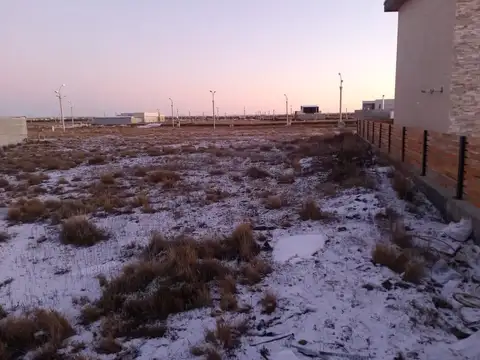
(146, 117)
(379, 104)
(115, 120)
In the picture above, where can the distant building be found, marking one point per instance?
(145, 117)
(115, 120)
(379, 104)
(309, 109)
(13, 130)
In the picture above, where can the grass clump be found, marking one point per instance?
(256, 173)
(390, 256)
(27, 211)
(107, 179)
(269, 302)
(163, 176)
(96, 160)
(402, 187)
(414, 271)
(311, 211)
(40, 329)
(273, 202)
(80, 231)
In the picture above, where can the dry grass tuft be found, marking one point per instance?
(403, 187)
(310, 211)
(389, 256)
(228, 285)
(36, 179)
(254, 271)
(414, 271)
(27, 211)
(399, 234)
(107, 179)
(273, 202)
(4, 183)
(42, 329)
(269, 302)
(286, 179)
(256, 173)
(228, 334)
(4, 236)
(108, 345)
(228, 302)
(163, 176)
(79, 231)
(96, 160)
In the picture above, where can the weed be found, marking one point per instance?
(414, 271)
(256, 173)
(79, 231)
(96, 160)
(310, 211)
(286, 179)
(254, 271)
(107, 179)
(273, 202)
(389, 256)
(4, 236)
(228, 302)
(108, 345)
(402, 187)
(269, 302)
(163, 176)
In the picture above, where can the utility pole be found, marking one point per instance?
(286, 108)
(213, 106)
(244, 114)
(59, 95)
(383, 102)
(178, 119)
(341, 94)
(171, 106)
(71, 111)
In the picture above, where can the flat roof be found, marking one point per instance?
(393, 5)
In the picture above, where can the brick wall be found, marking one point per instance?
(465, 81)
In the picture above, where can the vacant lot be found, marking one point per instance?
(239, 243)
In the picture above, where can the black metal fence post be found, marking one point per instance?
(373, 133)
(380, 137)
(424, 152)
(461, 166)
(389, 137)
(404, 133)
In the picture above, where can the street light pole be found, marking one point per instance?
(341, 94)
(171, 106)
(60, 96)
(286, 107)
(213, 106)
(71, 111)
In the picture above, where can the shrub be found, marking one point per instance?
(19, 334)
(389, 256)
(286, 179)
(36, 179)
(310, 211)
(108, 345)
(269, 302)
(26, 211)
(163, 176)
(402, 187)
(273, 202)
(4, 236)
(96, 160)
(107, 179)
(228, 302)
(256, 173)
(414, 271)
(254, 271)
(79, 231)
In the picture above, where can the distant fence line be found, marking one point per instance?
(453, 161)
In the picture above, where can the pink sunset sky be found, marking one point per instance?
(126, 55)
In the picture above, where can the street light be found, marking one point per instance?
(171, 106)
(213, 106)
(286, 107)
(60, 96)
(341, 94)
(71, 111)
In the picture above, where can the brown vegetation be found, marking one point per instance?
(311, 211)
(269, 302)
(79, 231)
(273, 202)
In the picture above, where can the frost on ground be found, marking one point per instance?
(247, 245)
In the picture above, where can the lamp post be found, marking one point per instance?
(286, 107)
(171, 106)
(341, 94)
(60, 97)
(71, 111)
(213, 106)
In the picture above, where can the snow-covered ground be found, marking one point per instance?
(332, 301)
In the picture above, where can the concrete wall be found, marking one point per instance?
(114, 120)
(465, 85)
(424, 61)
(12, 130)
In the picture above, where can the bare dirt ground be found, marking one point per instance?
(244, 243)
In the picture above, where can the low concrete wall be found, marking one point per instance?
(443, 199)
(13, 130)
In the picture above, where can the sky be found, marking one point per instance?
(133, 55)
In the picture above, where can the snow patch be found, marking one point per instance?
(297, 247)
